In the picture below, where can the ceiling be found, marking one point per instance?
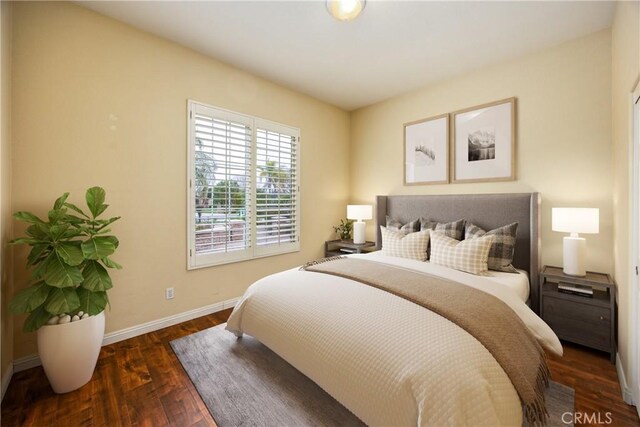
(392, 48)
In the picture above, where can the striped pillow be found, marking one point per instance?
(501, 252)
(410, 227)
(469, 255)
(403, 245)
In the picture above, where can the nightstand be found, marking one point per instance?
(345, 247)
(588, 321)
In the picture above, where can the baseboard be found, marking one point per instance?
(33, 360)
(627, 394)
(6, 379)
(154, 325)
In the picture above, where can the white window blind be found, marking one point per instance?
(243, 187)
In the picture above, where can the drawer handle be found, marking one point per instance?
(603, 318)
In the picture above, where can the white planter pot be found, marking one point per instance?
(69, 352)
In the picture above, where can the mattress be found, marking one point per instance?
(388, 360)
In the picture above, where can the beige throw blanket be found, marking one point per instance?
(484, 316)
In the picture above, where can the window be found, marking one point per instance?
(244, 194)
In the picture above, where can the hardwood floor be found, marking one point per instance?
(141, 382)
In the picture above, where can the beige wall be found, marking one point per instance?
(625, 45)
(6, 320)
(73, 69)
(563, 136)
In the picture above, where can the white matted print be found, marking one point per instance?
(484, 142)
(426, 151)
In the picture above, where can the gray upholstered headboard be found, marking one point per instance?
(488, 211)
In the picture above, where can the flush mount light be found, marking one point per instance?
(345, 10)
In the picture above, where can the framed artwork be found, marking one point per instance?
(483, 142)
(426, 151)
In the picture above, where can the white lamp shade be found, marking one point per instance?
(576, 220)
(359, 212)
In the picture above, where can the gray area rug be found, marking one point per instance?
(243, 383)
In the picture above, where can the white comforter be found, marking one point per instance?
(388, 360)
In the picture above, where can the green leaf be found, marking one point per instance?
(95, 199)
(59, 274)
(101, 209)
(92, 302)
(23, 240)
(96, 277)
(41, 267)
(112, 239)
(106, 222)
(39, 231)
(70, 253)
(56, 215)
(62, 300)
(76, 209)
(72, 232)
(27, 217)
(60, 201)
(27, 300)
(36, 319)
(37, 253)
(111, 263)
(57, 231)
(98, 247)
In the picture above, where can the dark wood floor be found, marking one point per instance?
(141, 382)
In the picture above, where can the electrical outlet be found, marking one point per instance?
(168, 293)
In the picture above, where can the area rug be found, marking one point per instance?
(243, 383)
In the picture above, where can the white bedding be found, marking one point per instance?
(518, 283)
(389, 361)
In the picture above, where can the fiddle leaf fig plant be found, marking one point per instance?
(69, 258)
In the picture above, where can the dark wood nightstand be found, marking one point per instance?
(345, 247)
(589, 321)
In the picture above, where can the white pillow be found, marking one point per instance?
(468, 255)
(401, 244)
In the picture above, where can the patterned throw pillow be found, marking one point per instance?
(410, 227)
(454, 229)
(405, 245)
(501, 252)
(469, 255)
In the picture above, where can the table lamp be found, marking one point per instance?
(574, 248)
(359, 213)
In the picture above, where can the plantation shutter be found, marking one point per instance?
(244, 198)
(277, 196)
(221, 186)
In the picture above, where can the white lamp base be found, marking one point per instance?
(574, 253)
(358, 232)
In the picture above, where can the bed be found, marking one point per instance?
(388, 360)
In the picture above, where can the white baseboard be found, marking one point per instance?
(154, 325)
(26, 362)
(33, 360)
(627, 394)
(6, 379)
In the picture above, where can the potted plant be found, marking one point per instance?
(67, 294)
(344, 229)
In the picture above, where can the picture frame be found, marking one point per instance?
(483, 142)
(426, 151)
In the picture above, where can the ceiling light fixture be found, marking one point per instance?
(345, 10)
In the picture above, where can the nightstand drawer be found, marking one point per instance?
(579, 323)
